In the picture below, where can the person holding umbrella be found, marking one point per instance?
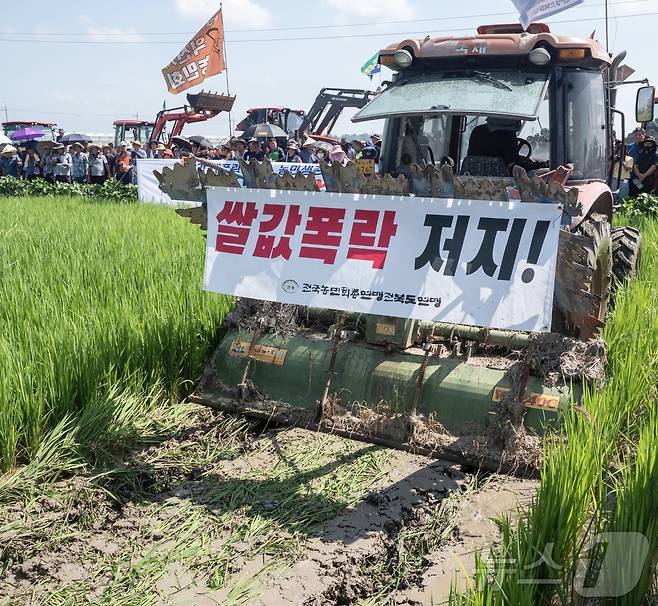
(61, 163)
(10, 164)
(79, 164)
(254, 151)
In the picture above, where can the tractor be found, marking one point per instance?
(201, 107)
(320, 119)
(503, 114)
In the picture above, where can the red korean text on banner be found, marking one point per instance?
(364, 243)
(232, 239)
(269, 246)
(323, 232)
(202, 57)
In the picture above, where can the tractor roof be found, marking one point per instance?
(496, 41)
(30, 122)
(276, 109)
(133, 123)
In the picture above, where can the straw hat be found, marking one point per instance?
(9, 149)
(137, 143)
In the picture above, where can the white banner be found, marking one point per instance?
(470, 262)
(531, 11)
(148, 188)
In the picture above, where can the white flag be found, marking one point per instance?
(534, 10)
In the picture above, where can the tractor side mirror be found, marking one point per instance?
(645, 104)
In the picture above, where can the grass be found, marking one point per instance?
(98, 302)
(598, 476)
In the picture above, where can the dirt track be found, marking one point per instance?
(216, 515)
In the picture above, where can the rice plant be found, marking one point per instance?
(96, 299)
(599, 476)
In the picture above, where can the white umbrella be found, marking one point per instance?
(5, 140)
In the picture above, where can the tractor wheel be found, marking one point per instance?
(626, 252)
(584, 278)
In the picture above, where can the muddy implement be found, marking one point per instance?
(482, 397)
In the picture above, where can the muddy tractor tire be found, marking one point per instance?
(626, 252)
(584, 278)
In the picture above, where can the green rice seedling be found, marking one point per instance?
(96, 300)
(598, 475)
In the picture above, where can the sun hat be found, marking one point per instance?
(337, 153)
(77, 144)
(9, 149)
(309, 142)
(58, 146)
(137, 142)
(292, 144)
(160, 147)
(123, 144)
(167, 153)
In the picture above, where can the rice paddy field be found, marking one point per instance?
(115, 490)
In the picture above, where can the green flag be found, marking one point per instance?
(371, 66)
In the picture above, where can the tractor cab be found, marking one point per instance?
(49, 128)
(131, 130)
(289, 120)
(502, 98)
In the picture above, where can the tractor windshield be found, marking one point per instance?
(496, 93)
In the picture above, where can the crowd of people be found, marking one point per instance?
(93, 163)
(75, 163)
(309, 151)
(636, 174)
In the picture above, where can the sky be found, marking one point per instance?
(84, 64)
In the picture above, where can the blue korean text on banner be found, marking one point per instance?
(531, 11)
(371, 66)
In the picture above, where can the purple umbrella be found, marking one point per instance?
(26, 134)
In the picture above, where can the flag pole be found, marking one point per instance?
(607, 30)
(228, 86)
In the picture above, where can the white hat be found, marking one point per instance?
(9, 149)
(309, 141)
(122, 144)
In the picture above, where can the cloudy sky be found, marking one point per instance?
(83, 64)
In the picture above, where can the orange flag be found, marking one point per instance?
(202, 57)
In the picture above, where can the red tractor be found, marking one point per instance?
(201, 107)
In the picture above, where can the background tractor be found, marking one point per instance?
(201, 107)
(505, 112)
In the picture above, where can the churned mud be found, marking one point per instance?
(226, 513)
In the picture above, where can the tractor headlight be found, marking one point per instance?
(539, 56)
(403, 58)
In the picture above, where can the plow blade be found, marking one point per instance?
(434, 403)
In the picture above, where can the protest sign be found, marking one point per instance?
(483, 263)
